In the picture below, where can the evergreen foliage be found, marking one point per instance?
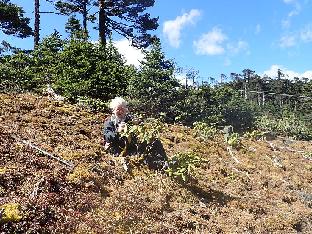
(73, 7)
(129, 19)
(12, 20)
(77, 68)
(73, 27)
(73, 68)
(153, 89)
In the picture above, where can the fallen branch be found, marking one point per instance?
(232, 154)
(234, 168)
(272, 146)
(63, 161)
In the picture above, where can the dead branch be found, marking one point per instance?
(63, 161)
(36, 188)
(232, 154)
(275, 161)
(235, 169)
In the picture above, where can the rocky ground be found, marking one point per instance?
(55, 177)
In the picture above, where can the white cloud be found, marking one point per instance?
(307, 74)
(211, 43)
(235, 48)
(303, 35)
(131, 54)
(182, 79)
(272, 72)
(258, 29)
(287, 41)
(295, 11)
(286, 23)
(172, 28)
(289, 1)
(306, 34)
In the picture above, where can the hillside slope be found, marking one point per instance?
(56, 178)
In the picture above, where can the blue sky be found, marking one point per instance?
(221, 36)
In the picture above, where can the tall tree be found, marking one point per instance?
(73, 7)
(73, 27)
(155, 85)
(247, 74)
(12, 20)
(37, 23)
(127, 18)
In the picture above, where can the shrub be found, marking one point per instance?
(16, 73)
(204, 131)
(254, 135)
(142, 135)
(153, 90)
(233, 140)
(91, 70)
(181, 165)
(287, 125)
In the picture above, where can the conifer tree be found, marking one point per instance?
(129, 19)
(12, 20)
(155, 85)
(73, 7)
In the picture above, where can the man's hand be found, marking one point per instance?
(122, 127)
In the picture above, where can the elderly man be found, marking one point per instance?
(115, 124)
(155, 158)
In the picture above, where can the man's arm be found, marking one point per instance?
(109, 131)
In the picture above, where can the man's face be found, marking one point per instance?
(120, 111)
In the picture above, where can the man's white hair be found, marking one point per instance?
(118, 101)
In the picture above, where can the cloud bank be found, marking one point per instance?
(172, 28)
(210, 43)
(272, 72)
(131, 54)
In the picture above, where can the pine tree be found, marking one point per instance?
(153, 89)
(37, 23)
(127, 18)
(12, 20)
(73, 7)
(74, 28)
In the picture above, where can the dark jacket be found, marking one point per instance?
(110, 129)
(155, 157)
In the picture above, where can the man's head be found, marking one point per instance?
(119, 107)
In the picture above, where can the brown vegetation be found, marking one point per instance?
(263, 187)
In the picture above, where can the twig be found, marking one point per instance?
(232, 155)
(271, 145)
(235, 169)
(275, 161)
(36, 188)
(65, 162)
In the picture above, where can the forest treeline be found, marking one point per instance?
(79, 69)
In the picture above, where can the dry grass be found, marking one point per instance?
(264, 187)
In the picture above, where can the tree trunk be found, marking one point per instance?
(102, 22)
(84, 19)
(37, 24)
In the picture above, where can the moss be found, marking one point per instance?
(3, 170)
(2, 191)
(80, 173)
(10, 213)
(71, 155)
